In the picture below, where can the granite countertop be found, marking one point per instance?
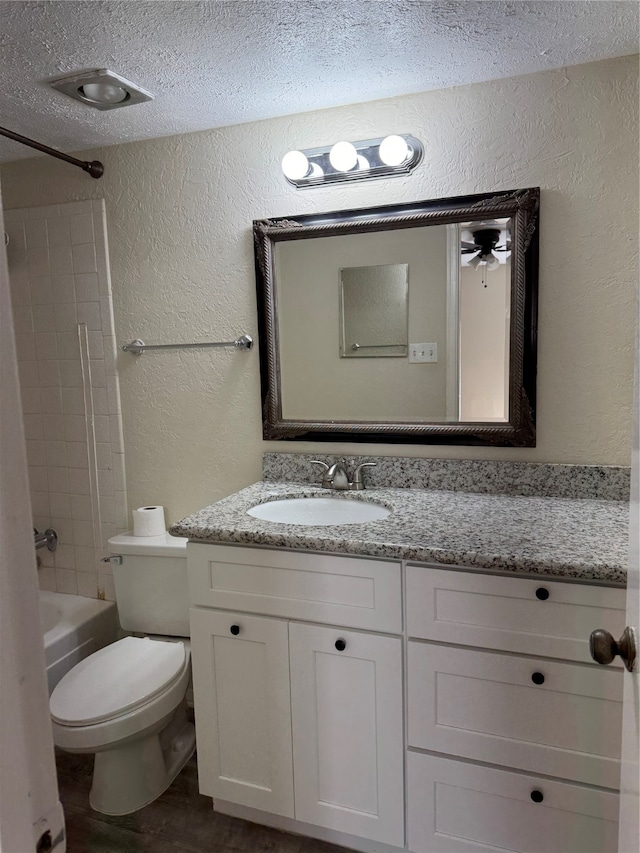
(580, 539)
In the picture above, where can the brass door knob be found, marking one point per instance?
(603, 647)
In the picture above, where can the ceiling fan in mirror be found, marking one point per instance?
(489, 243)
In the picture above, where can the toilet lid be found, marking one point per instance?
(116, 679)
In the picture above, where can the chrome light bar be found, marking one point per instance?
(384, 157)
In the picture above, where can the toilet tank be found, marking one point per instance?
(151, 583)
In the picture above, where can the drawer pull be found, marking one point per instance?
(537, 796)
(542, 593)
(235, 630)
(537, 678)
(604, 648)
(341, 645)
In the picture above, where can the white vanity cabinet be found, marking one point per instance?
(278, 699)
(320, 689)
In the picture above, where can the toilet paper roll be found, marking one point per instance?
(149, 521)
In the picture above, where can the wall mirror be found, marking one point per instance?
(412, 323)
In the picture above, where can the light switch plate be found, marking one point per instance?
(420, 353)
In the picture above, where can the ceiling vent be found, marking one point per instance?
(102, 89)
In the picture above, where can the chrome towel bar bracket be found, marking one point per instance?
(137, 347)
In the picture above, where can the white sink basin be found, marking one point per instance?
(319, 512)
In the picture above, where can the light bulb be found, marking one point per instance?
(343, 156)
(316, 170)
(393, 150)
(103, 93)
(363, 163)
(492, 261)
(295, 165)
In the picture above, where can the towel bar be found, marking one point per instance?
(137, 347)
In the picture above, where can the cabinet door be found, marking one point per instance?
(347, 731)
(243, 709)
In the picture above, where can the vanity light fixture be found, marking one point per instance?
(101, 89)
(353, 161)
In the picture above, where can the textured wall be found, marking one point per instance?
(179, 211)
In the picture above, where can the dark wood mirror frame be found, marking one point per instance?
(523, 208)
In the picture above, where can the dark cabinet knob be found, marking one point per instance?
(537, 796)
(542, 593)
(235, 630)
(604, 648)
(537, 678)
(341, 645)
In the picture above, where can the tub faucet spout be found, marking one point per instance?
(48, 539)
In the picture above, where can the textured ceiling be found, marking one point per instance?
(214, 63)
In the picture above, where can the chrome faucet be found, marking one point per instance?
(48, 539)
(336, 476)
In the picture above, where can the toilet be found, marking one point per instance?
(127, 702)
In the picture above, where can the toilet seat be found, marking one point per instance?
(117, 680)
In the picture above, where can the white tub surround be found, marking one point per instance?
(74, 627)
(63, 316)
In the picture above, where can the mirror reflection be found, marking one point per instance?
(424, 311)
(374, 311)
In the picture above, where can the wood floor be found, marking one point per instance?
(180, 821)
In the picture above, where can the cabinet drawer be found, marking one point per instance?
(349, 591)
(489, 707)
(456, 807)
(539, 617)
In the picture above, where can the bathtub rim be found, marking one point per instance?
(85, 625)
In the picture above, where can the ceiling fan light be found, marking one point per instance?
(475, 261)
(492, 261)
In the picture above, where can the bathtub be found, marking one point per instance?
(73, 628)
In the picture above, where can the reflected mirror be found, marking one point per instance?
(412, 323)
(374, 311)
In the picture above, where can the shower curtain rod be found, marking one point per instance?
(94, 168)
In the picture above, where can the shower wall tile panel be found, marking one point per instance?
(63, 318)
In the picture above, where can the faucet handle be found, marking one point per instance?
(357, 474)
(325, 468)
